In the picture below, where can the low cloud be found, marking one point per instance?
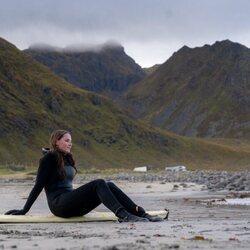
(149, 30)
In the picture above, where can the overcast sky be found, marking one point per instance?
(150, 30)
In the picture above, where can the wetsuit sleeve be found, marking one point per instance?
(46, 165)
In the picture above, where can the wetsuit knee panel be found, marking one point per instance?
(100, 182)
(111, 185)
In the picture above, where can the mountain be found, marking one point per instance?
(34, 101)
(103, 69)
(203, 91)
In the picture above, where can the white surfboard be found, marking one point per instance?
(92, 216)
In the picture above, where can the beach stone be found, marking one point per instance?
(111, 248)
(211, 180)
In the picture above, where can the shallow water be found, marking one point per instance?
(238, 201)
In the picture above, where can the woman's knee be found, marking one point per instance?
(100, 182)
(111, 185)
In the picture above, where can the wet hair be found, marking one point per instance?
(55, 136)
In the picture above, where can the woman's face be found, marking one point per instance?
(65, 143)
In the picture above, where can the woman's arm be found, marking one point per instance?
(47, 163)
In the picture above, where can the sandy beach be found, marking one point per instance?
(195, 221)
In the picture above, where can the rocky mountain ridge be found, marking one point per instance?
(105, 69)
(203, 91)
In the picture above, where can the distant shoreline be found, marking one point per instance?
(211, 180)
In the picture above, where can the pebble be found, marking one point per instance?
(212, 180)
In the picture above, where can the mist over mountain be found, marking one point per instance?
(105, 68)
(203, 91)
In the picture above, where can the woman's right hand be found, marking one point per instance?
(16, 212)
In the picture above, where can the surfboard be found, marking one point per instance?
(90, 217)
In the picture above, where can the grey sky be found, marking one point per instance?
(150, 30)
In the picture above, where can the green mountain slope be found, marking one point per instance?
(34, 102)
(202, 92)
(106, 69)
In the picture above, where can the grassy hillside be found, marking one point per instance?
(34, 102)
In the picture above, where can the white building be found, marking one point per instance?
(176, 168)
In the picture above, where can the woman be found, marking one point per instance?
(55, 174)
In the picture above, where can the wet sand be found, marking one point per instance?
(194, 222)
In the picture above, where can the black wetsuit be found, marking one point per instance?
(64, 201)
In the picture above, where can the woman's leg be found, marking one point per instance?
(87, 197)
(125, 201)
(129, 205)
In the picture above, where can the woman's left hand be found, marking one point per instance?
(16, 212)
